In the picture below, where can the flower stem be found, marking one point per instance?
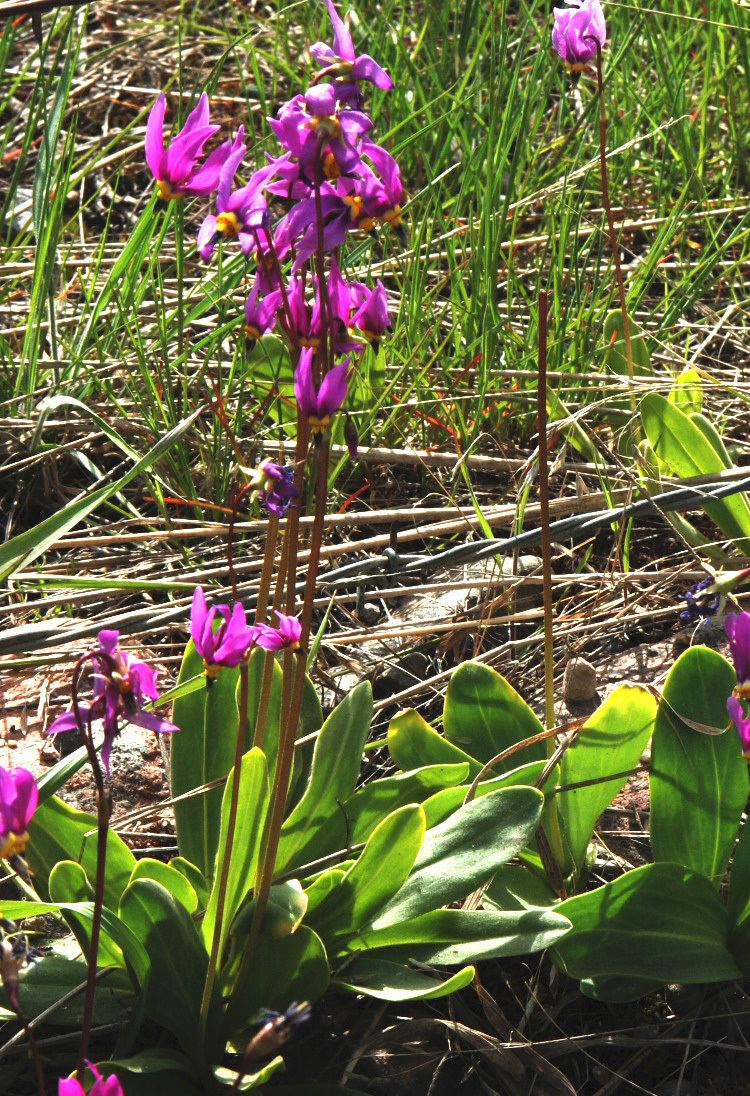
(103, 813)
(555, 832)
(613, 241)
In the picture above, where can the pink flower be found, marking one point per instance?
(261, 313)
(371, 317)
(577, 32)
(122, 686)
(286, 635)
(318, 406)
(102, 1086)
(176, 168)
(228, 644)
(19, 796)
(342, 63)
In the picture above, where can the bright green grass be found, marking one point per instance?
(500, 159)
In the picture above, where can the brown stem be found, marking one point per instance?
(613, 241)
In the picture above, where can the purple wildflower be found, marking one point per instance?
(103, 1086)
(274, 484)
(229, 643)
(319, 406)
(341, 209)
(260, 314)
(19, 796)
(702, 600)
(342, 64)
(241, 213)
(737, 627)
(176, 168)
(286, 635)
(371, 316)
(382, 194)
(578, 31)
(122, 686)
(742, 723)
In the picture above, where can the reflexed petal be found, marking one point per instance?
(26, 797)
(152, 722)
(343, 46)
(367, 69)
(229, 170)
(321, 100)
(737, 627)
(183, 153)
(108, 640)
(205, 241)
(741, 722)
(333, 389)
(198, 116)
(143, 680)
(323, 54)
(155, 144)
(68, 1086)
(304, 389)
(68, 722)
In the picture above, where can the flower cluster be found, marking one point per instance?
(330, 180)
(232, 641)
(123, 684)
(580, 31)
(19, 796)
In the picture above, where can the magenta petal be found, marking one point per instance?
(229, 169)
(27, 797)
(333, 389)
(150, 721)
(304, 390)
(143, 679)
(737, 627)
(367, 69)
(68, 1086)
(67, 722)
(155, 139)
(741, 722)
(183, 153)
(323, 54)
(198, 116)
(205, 241)
(321, 100)
(198, 617)
(342, 40)
(108, 640)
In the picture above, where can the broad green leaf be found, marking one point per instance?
(699, 782)
(713, 437)
(413, 743)
(162, 1072)
(287, 905)
(686, 450)
(382, 868)
(178, 961)
(44, 983)
(659, 923)
(251, 813)
(372, 803)
(202, 752)
(323, 885)
(443, 803)
(388, 981)
(687, 392)
(333, 777)
(450, 937)
(465, 851)
(194, 876)
(289, 968)
(616, 990)
(170, 878)
(229, 1077)
(516, 888)
(18, 552)
(59, 832)
(68, 883)
(610, 744)
(484, 715)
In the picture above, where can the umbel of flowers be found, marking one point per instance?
(291, 217)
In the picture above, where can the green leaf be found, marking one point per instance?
(516, 888)
(170, 878)
(713, 437)
(484, 715)
(289, 968)
(617, 991)
(382, 868)
(463, 852)
(202, 752)
(229, 1077)
(413, 743)
(178, 961)
(687, 392)
(194, 876)
(658, 923)
(611, 742)
(388, 981)
(449, 937)
(686, 450)
(699, 782)
(333, 777)
(44, 983)
(443, 803)
(372, 803)
(18, 552)
(252, 806)
(68, 883)
(59, 832)
(738, 908)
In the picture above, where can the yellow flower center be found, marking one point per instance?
(356, 217)
(310, 344)
(252, 332)
(319, 426)
(13, 844)
(228, 225)
(328, 125)
(212, 670)
(165, 191)
(578, 66)
(393, 217)
(331, 169)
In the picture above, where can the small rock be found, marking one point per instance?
(579, 682)
(370, 613)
